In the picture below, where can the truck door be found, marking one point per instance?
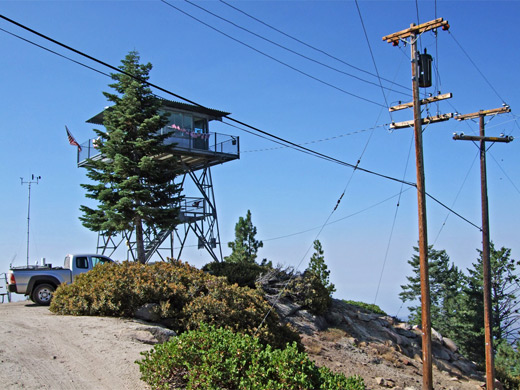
(81, 265)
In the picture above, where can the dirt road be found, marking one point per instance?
(41, 350)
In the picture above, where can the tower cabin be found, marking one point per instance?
(197, 149)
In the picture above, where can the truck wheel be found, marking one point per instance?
(42, 294)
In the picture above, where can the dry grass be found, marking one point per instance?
(333, 334)
(313, 348)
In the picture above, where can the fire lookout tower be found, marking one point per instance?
(197, 151)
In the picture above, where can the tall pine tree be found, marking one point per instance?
(446, 283)
(504, 304)
(245, 247)
(457, 307)
(133, 187)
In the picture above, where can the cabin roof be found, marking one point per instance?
(210, 113)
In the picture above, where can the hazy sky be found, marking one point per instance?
(368, 239)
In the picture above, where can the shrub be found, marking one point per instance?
(304, 289)
(244, 274)
(373, 308)
(184, 297)
(212, 359)
(507, 364)
(309, 291)
(509, 381)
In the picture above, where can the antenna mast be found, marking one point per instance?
(34, 179)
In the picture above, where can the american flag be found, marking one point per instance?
(71, 138)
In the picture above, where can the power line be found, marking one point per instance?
(272, 137)
(372, 55)
(456, 197)
(452, 211)
(273, 58)
(417, 11)
(505, 174)
(476, 67)
(438, 81)
(285, 47)
(300, 148)
(339, 219)
(393, 223)
(310, 46)
(288, 49)
(319, 140)
(54, 52)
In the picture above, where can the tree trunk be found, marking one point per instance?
(141, 256)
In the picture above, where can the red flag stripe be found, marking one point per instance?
(72, 140)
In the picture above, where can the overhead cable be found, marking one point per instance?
(476, 67)
(310, 46)
(453, 211)
(272, 137)
(339, 219)
(292, 144)
(319, 140)
(286, 48)
(393, 222)
(456, 197)
(504, 172)
(54, 52)
(372, 55)
(271, 57)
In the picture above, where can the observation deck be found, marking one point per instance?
(191, 141)
(195, 150)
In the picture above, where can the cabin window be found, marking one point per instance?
(199, 125)
(187, 123)
(98, 260)
(81, 262)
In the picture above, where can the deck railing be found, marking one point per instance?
(191, 143)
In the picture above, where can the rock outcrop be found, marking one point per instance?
(346, 333)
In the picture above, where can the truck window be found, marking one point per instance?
(81, 262)
(98, 260)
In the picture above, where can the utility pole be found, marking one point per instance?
(31, 181)
(486, 262)
(413, 32)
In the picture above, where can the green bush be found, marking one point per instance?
(367, 306)
(214, 359)
(509, 381)
(242, 273)
(309, 291)
(507, 364)
(184, 298)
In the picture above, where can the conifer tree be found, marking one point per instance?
(245, 247)
(133, 187)
(504, 303)
(319, 269)
(457, 307)
(446, 282)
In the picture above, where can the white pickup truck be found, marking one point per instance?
(39, 282)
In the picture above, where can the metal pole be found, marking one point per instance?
(486, 266)
(423, 236)
(29, 208)
(28, 221)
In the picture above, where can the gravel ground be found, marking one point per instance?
(41, 350)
